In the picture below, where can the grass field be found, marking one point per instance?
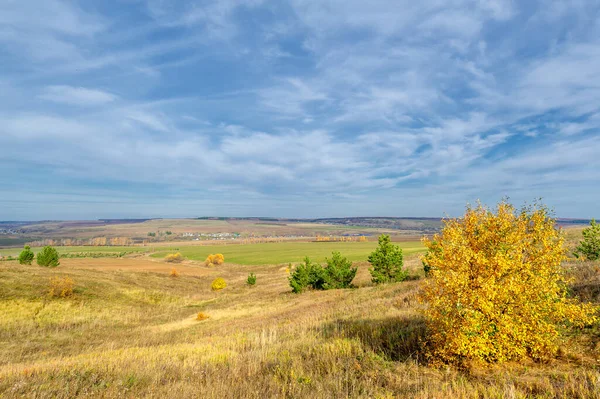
(133, 333)
(285, 252)
(85, 248)
(244, 254)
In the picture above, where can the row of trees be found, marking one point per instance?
(95, 241)
(47, 257)
(320, 238)
(386, 266)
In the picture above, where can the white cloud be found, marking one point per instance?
(76, 95)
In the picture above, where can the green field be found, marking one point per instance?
(285, 252)
(79, 249)
(244, 254)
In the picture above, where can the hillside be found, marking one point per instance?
(130, 330)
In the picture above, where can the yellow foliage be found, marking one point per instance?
(213, 260)
(497, 291)
(174, 258)
(174, 273)
(218, 284)
(201, 316)
(60, 287)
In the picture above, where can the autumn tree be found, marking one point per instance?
(387, 262)
(174, 258)
(589, 247)
(496, 289)
(218, 284)
(214, 260)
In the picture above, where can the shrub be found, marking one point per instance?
(60, 287)
(306, 275)
(213, 260)
(201, 316)
(218, 284)
(26, 256)
(174, 273)
(386, 262)
(48, 257)
(339, 272)
(174, 258)
(589, 247)
(496, 290)
(251, 280)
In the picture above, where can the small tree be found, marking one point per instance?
(589, 247)
(26, 256)
(339, 272)
(496, 289)
(307, 274)
(48, 257)
(387, 262)
(251, 280)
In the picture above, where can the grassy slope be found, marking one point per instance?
(134, 334)
(284, 252)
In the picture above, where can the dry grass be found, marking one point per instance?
(133, 333)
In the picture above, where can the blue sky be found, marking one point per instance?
(164, 108)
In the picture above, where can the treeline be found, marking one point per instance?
(72, 242)
(320, 238)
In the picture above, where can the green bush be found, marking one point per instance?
(26, 256)
(387, 262)
(339, 272)
(589, 247)
(306, 275)
(48, 257)
(251, 280)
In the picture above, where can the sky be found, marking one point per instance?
(329, 108)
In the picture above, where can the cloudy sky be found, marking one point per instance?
(164, 108)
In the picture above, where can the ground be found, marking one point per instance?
(130, 330)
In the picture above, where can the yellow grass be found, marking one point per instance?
(128, 332)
